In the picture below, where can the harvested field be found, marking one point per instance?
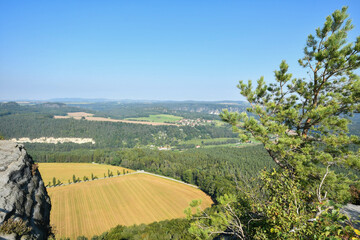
(89, 117)
(93, 207)
(65, 171)
(80, 114)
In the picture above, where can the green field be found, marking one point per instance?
(160, 118)
(93, 207)
(218, 142)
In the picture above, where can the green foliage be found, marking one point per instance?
(285, 210)
(287, 214)
(19, 227)
(355, 193)
(164, 230)
(215, 221)
(81, 238)
(279, 210)
(303, 123)
(110, 173)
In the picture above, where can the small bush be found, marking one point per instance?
(18, 227)
(34, 167)
(355, 195)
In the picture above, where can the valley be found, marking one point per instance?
(98, 187)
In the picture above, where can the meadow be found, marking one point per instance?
(65, 171)
(90, 208)
(160, 118)
(219, 142)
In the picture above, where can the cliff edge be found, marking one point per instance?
(24, 203)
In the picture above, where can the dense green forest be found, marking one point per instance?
(164, 230)
(212, 169)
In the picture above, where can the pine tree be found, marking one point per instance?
(303, 125)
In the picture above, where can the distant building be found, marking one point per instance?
(164, 148)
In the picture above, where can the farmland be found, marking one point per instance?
(93, 207)
(65, 171)
(160, 118)
(155, 120)
(218, 142)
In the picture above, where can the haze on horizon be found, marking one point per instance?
(156, 50)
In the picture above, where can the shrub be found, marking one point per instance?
(18, 227)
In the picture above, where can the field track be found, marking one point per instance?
(93, 207)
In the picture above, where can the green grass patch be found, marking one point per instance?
(160, 118)
(218, 142)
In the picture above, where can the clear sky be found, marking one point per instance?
(155, 50)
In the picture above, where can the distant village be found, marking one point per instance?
(193, 122)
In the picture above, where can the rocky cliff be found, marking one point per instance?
(24, 202)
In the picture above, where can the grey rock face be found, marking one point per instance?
(23, 195)
(353, 212)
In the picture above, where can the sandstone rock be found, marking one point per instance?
(23, 195)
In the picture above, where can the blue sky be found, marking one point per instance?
(156, 50)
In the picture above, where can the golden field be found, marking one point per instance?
(90, 208)
(65, 171)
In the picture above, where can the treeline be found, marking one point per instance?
(212, 169)
(164, 230)
(227, 141)
(56, 182)
(47, 109)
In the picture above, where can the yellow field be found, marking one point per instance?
(93, 207)
(65, 171)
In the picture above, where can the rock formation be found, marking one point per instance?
(23, 196)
